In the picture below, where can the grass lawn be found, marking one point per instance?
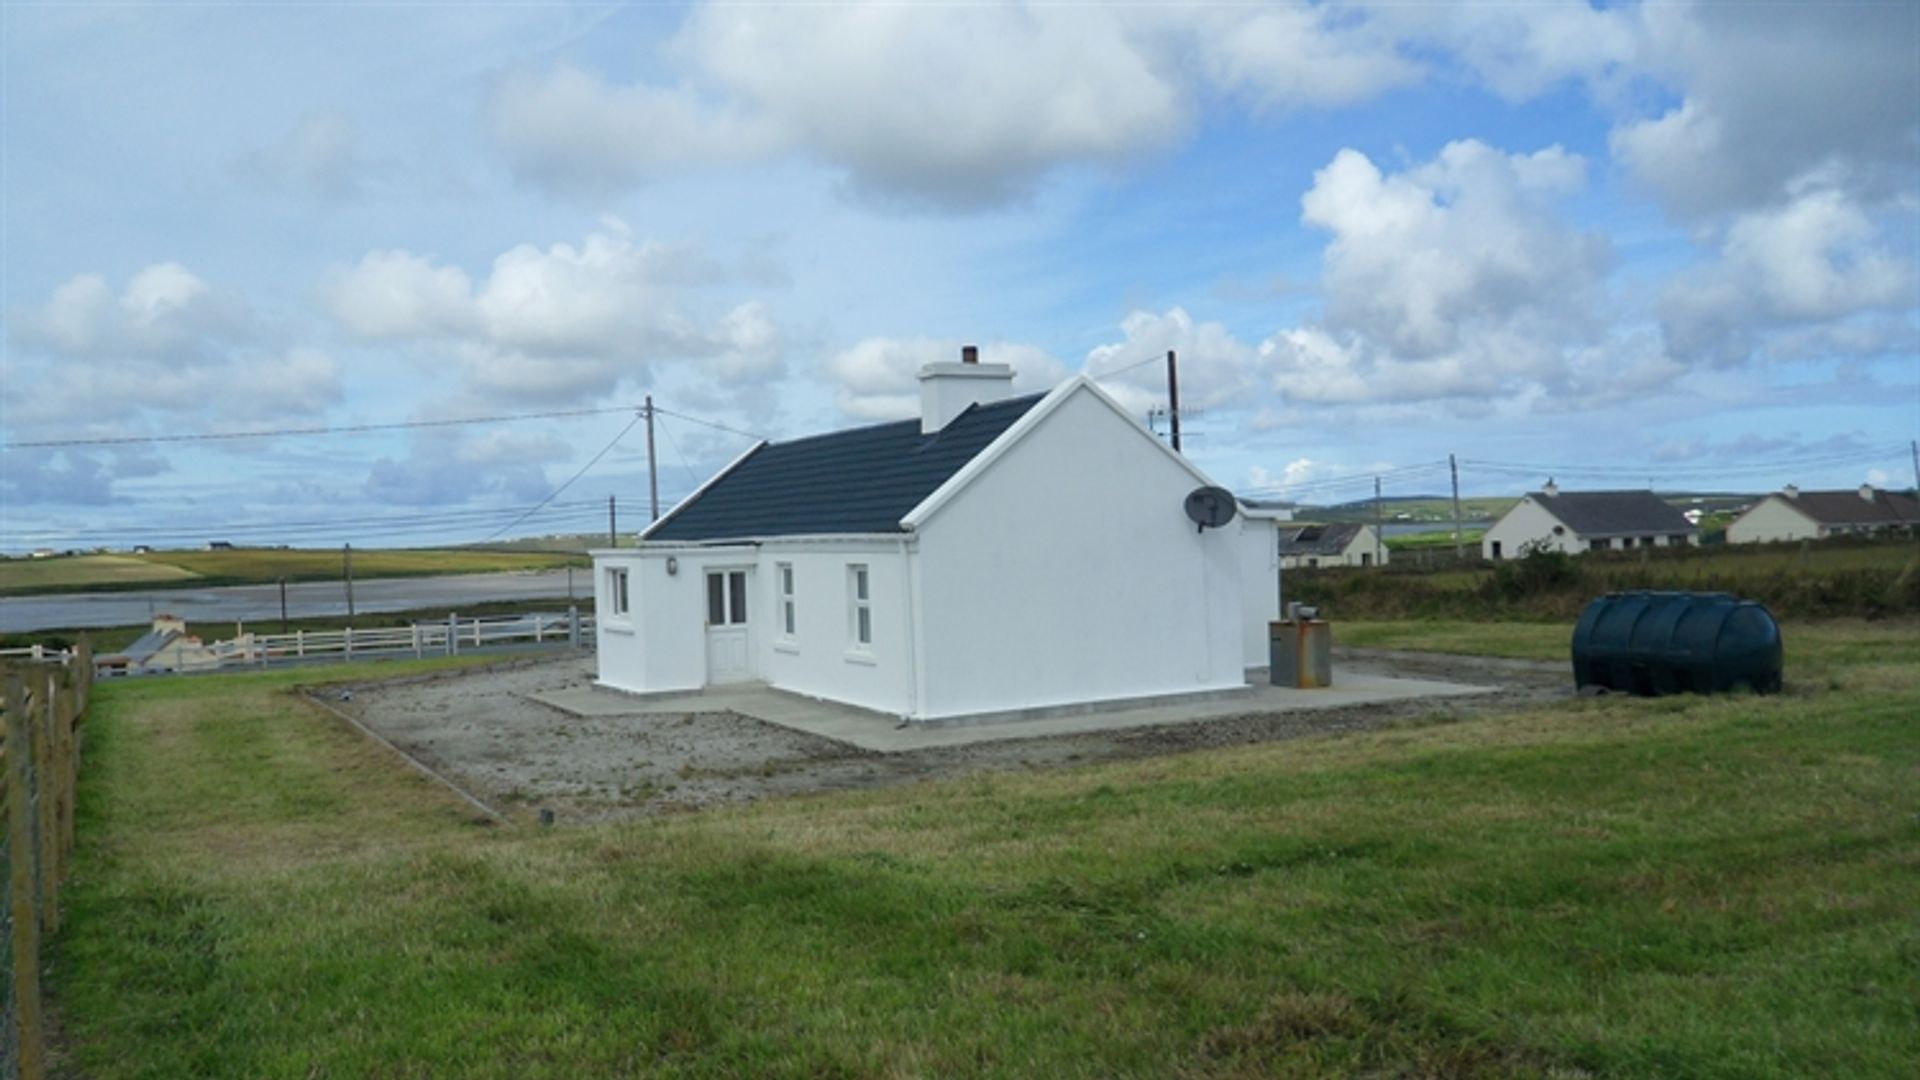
(19, 576)
(1701, 887)
(255, 566)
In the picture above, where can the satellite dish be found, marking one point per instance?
(1211, 507)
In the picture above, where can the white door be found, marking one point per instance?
(729, 638)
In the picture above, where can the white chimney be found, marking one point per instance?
(947, 389)
(1866, 492)
(1791, 491)
(1551, 489)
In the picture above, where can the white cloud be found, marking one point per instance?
(570, 130)
(1286, 55)
(561, 322)
(1814, 261)
(878, 378)
(164, 310)
(1771, 96)
(1454, 279)
(166, 347)
(1518, 50)
(1215, 367)
(319, 158)
(1468, 240)
(395, 295)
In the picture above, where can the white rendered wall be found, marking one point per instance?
(662, 643)
(1259, 585)
(1526, 522)
(821, 659)
(1068, 572)
(1770, 521)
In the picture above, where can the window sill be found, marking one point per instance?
(791, 648)
(861, 657)
(613, 627)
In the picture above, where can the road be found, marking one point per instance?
(309, 599)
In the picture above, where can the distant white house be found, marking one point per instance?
(998, 554)
(1349, 543)
(1578, 521)
(1792, 514)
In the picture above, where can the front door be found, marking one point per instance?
(729, 640)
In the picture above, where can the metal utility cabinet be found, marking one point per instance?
(1300, 653)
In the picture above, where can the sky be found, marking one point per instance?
(1620, 245)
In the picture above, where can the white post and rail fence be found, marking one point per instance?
(448, 637)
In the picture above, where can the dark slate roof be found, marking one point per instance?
(1848, 508)
(859, 481)
(1318, 539)
(144, 647)
(1613, 513)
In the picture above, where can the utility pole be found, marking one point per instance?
(1459, 549)
(653, 474)
(346, 561)
(1173, 398)
(1379, 540)
(613, 531)
(1914, 445)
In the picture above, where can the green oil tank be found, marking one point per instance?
(1653, 643)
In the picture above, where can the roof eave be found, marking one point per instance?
(917, 518)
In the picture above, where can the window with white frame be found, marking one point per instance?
(783, 578)
(617, 590)
(859, 606)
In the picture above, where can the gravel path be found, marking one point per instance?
(480, 730)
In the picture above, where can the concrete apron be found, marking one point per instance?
(869, 730)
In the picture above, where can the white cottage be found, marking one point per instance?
(999, 554)
(1793, 514)
(1349, 543)
(1577, 521)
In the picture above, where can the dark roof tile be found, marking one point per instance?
(1318, 539)
(859, 481)
(1611, 513)
(1848, 508)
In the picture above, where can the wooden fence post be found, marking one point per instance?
(21, 889)
(453, 633)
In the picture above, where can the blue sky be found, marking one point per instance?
(1621, 244)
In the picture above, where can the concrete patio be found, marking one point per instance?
(869, 730)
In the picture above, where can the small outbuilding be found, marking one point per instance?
(1792, 514)
(998, 554)
(1578, 521)
(1348, 543)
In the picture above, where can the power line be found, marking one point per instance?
(583, 471)
(1123, 370)
(684, 467)
(710, 423)
(1679, 470)
(474, 516)
(336, 429)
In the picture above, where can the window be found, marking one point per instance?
(726, 598)
(859, 606)
(1602, 544)
(1677, 540)
(783, 573)
(617, 591)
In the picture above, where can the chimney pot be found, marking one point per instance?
(1551, 489)
(1791, 491)
(1866, 492)
(969, 354)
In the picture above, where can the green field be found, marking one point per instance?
(1687, 886)
(1823, 580)
(255, 566)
